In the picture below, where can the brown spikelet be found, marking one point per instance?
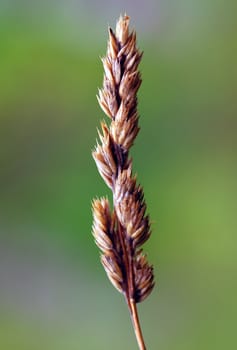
(121, 231)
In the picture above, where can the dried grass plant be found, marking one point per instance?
(121, 231)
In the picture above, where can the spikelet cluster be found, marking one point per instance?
(120, 232)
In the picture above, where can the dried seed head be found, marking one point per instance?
(130, 208)
(102, 224)
(144, 278)
(105, 237)
(120, 234)
(113, 271)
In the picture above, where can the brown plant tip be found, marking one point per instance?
(120, 232)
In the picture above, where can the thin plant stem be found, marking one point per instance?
(136, 324)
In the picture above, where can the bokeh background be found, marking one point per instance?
(54, 293)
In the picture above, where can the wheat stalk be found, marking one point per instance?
(120, 232)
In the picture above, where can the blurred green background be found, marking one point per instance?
(54, 293)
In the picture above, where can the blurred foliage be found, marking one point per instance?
(54, 294)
